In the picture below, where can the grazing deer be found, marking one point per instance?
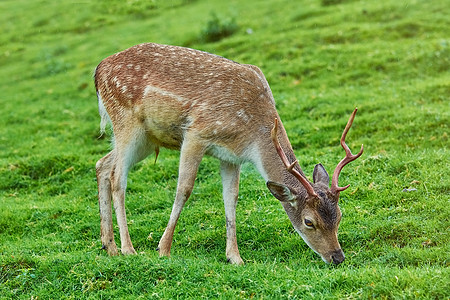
(202, 104)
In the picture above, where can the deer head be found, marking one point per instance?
(313, 207)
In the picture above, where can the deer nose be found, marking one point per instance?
(337, 256)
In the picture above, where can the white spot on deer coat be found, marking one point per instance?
(243, 115)
(116, 81)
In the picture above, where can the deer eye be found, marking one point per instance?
(309, 223)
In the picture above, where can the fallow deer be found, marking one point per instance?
(202, 104)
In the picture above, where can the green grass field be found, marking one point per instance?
(391, 59)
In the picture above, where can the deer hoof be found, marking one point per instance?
(163, 253)
(128, 251)
(111, 249)
(235, 260)
(164, 248)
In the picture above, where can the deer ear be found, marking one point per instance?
(282, 193)
(321, 175)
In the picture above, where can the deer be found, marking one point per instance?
(201, 104)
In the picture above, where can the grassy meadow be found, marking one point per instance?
(322, 58)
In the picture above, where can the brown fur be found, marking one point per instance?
(179, 98)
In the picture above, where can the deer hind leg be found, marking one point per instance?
(190, 157)
(230, 183)
(103, 168)
(128, 152)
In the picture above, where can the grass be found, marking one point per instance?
(391, 59)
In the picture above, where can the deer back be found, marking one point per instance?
(169, 89)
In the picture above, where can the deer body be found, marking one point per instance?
(202, 104)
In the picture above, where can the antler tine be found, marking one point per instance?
(290, 166)
(349, 157)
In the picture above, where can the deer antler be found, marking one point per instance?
(349, 157)
(290, 166)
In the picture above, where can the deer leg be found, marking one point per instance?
(230, 183)
(190, 157)
(126, 156)
(103, 168)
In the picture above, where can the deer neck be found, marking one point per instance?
(270, 165)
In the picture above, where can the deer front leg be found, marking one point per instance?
(190, 157)
(230, 183)
(103, 168)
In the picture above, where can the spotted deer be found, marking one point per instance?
(202, 104)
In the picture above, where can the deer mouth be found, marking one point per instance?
(337, 257)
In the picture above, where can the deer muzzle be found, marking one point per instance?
(337, 256)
